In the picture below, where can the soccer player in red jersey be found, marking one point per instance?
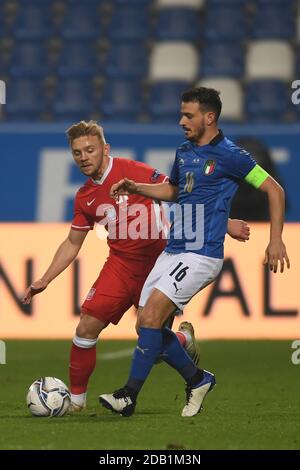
(136, 236)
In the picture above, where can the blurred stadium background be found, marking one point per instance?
(125, 63)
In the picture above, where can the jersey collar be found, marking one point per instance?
(217, 139)
(106, 173)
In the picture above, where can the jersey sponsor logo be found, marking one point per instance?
(89, 203)
(209, 167)
(155, 176)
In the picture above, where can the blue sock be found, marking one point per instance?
(148, 348)
(177, 357)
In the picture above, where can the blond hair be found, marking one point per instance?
(84, 128)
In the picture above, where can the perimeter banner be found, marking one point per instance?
(246, 301)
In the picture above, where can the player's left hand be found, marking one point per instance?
(124, 187)
(238, 229)
(276, 253)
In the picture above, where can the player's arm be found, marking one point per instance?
(63, 257)
(161, 191)
(238, 229)
(276, 250)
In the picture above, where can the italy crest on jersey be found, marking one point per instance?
(209, 167)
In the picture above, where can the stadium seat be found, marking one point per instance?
(29, 60)
(231, 96)
(225, 22)
(266, 100)
(174, 61)
(121, 100)
(273, 21)
(73, 100)
(78, 60)
(133, 2)
(197, 4)
(33, 22)
(222, 59)
(24, 100)
(81, 23)
(127, 61)
(269, 59)
(164, 101)
(129, 23)
(179, 24)
(90, 3)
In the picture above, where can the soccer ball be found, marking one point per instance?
(48, 396)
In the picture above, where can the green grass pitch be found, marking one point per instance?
(255, 404)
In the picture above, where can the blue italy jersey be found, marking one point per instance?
(208, 177)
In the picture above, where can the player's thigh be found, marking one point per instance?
(157, 310)
(109, 298)
(188, 274)
(140, 275)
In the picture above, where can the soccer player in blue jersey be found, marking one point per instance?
(205, 176)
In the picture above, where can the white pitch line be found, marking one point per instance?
(116, 354)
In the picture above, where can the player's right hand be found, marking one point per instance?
(32, 290)
(123, 188)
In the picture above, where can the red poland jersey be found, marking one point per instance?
(135, 224)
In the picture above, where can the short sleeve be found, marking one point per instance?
(81, 221)
(144, 173)
(240, 164)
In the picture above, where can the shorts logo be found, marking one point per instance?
(91, 293)
(155, 176)
(209, 167)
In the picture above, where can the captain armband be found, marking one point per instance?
(257, 176)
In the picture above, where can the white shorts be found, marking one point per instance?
(180, 276)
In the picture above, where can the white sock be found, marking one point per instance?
(187, 336)
(79, 399)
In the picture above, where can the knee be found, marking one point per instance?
(89, 327)
(82, 331)
(149, 318)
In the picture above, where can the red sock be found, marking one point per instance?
(82, 364)
(181, 338)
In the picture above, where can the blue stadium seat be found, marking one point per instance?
(282, 2)
(132, 2)
(29, 60)
(225, 22)
(90, 3)
(178, 24)
(274, 21)
(33, 22)
(127, 61)
(81, 23)
(267, 100)
(24, 100)
(73, 101)
(129, 23)
(78, 60)
(121, 100)
(164, 101)
(2, 24)
(222, 59)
